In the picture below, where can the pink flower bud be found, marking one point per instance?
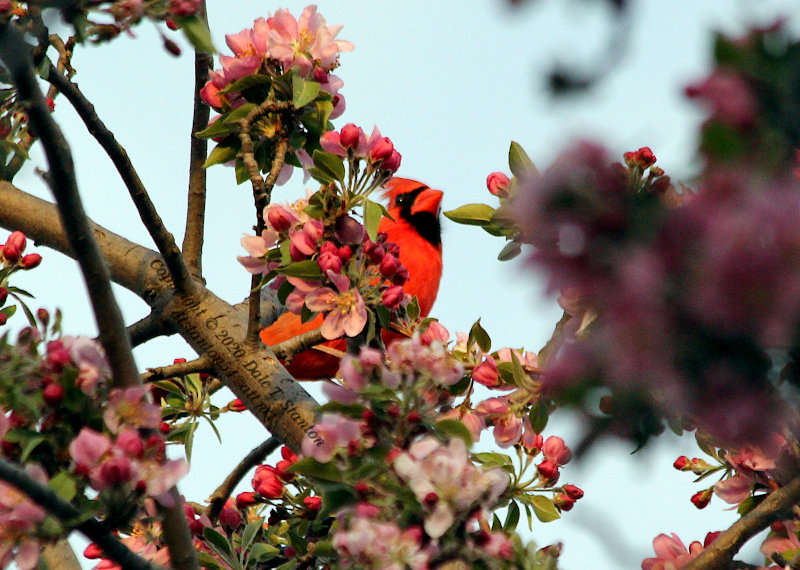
(30, 261)
(3, 319)
(18, 239)
(486, 373)
(381, 150)
(497, 183)
(10, 252)
(554, 448)
(400, 277)
(682, 463)
(3, 296)
(547, 469)
(42, 315)
(230, 517)
(115, 471)
(130, 442)
(267, 483)
(374, 251)
(392, 164)
(53, 394)
(350, 135)
(237, 406)
(246, 499)
(345, 253)
(329, 261)
(392, 297)
(564, 502)
(93, 552)
(573, 492)
(389, 265)
(701, 499)
(312, 503)
(435, 332)
(349, 230)
(279, 218)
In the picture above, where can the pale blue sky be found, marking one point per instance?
(451, 83)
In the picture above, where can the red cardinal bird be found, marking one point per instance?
(415, 228)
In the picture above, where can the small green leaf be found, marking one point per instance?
(454, 428)
(306, 269)
(237, 114)
(208, 561)
(480, 336)
(262, 552)
(218, 128)
(330, 164)
(250, 532)
(544, 509)
(520, 376)
(539, 416)
(310, 467)
(492, 459)
(520, 163)
(512, 518)
(220, 155)
(197, 32)
(64, 486)
(749, 504)
(30, 445)
(303, 91)
(9, 311)
(217, 541)
(373, 212)
(471, 214)
(168, 386)
(333, 500)
(412, 309)
(246, 82)
(511, 250)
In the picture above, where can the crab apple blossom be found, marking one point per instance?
(345, 311)
(671, 553)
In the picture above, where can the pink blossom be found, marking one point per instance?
(446, 471)
(416, 360)
(436, 332)
(473, 422)
(297, 298)
(90, 359)
(734, 490)
(257, 247)
(334, 432)
(131, 407)
(306, 41)
(346, 311)
(507, 430)
(486, 373)
(89, 447)
(671, 553)
(368, 543)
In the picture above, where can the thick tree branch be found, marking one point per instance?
(93, 529)
(256, 457)
(195, 213)
(164, 240)
(777, 506)
(203, 320)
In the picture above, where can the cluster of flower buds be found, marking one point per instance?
(351, 142)
(351, 271)
(13, 249)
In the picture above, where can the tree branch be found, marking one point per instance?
(204, 320)
(195, 212)
(256, 457)
(202, 364)
(165, 241)
(777, 506)
(289, 348)
(93, 529)
(150, 327)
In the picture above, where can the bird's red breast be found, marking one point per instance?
(415, 227)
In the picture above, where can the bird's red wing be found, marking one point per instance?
(311, 364)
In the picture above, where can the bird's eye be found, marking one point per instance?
(402, 199)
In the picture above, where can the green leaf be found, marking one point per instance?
(168, 386)
(544, 509)
(30, 445)
(310, 467)
(303, 91)
(471, 214)
(333, 500)
(218, 128)
(250, 532)
(373, 212)
(412, 309)
(315, 117)
(539, 416)
(520, 163)
(511, 250)
(64, 486)
(19, 291)
(493, 459)
(208, 561)
(218, 542)
(454, 428)
(197, 32)
(520, 376)
(246, 82)
(306, 269)
(9, 311)
(220, 155)
(330, 164)
(480, 336)
(512, 518)
(262, 552)
(749, 504)
(237, 115)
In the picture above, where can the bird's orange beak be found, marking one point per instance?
(428, 200)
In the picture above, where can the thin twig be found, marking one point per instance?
(93, 529)
(256, 457)
(202, 364)
(148, 328)
(163, 239)
(289, 348)
(719, 554)
(196, 207)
